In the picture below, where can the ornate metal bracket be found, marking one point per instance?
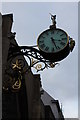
(34, 56)
(17, 66)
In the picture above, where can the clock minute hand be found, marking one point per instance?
(53, 42)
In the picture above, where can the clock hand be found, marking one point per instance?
(57, 40)
(53, 42)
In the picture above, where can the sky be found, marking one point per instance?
(32, 18)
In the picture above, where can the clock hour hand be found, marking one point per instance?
(53, 42)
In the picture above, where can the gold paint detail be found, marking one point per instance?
(33, 61)
(4, 88)
(14, 81)
(16, 65)
(72, 44)
(52, 65)
(38, 67)
(17, 85)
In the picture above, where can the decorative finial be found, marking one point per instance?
(53, 18)
(71, 44)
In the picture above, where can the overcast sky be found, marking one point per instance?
(30, 19)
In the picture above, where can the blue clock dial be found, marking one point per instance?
(52, 41)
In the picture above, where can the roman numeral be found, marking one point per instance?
(42, 46)
(61, 34)
(46, 33)
(42, 37)
(57, 31)
(52, 32)
(41, 41)
(62, 43)
(52, 50)
(63, 38)
(47, 48)
(58, 47)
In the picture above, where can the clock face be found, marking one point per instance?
(52, 40)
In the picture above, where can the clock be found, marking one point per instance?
(53, 44)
